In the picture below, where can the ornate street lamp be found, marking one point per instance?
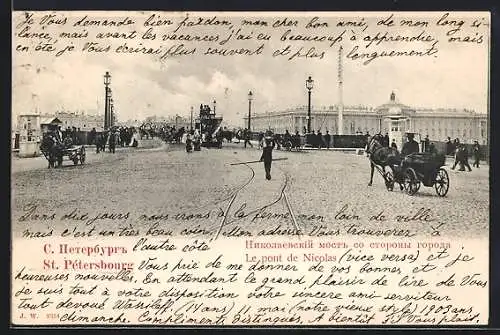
(111, 110)
(309, 86)
(191, 118)
(250, 98)
(107, 82)
(110, 103)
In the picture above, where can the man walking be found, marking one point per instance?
(268, 145)
(246, 133)
(476, 152)
(462, 158)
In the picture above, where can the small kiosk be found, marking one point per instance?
(398, 117)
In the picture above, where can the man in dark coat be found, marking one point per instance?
(319, 139)
(461, 158)
(92, 136)
(268, 145)
(394, 145)
(427, 143)
(112, 141)
(328, 139)
(476, 152)
(411, 146)
(386, 140)
(449, 146)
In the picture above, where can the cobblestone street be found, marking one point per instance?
(327, 188)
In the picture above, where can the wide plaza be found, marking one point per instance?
(202, 190)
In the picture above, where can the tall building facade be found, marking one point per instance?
(393, 117)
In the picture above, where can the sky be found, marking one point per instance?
(143, 86)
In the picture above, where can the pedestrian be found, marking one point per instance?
(458, 156)
(246, 135)
(465, 159)
(189, 143)
(91, 136)
(97, 140)
(426, 144)
(461, 158)
(449, 146)
(386, 140)
(328, 139)
(319, 140)
(268, 145)
(394, 145)
(112, 141)
(476, 152)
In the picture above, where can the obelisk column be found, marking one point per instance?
(341, 103)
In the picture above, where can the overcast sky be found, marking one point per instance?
(144, 86)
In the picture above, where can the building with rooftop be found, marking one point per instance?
(393, 117)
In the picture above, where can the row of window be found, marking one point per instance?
(353, 127)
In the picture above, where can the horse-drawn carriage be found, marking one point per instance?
(55, 151)
(289, 142)
(409, 171)
(416, 169)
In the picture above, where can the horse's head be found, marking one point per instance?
(374, 143)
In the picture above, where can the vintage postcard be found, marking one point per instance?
(248, 169)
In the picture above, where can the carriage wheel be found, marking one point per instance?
(389, 180)
(411, 183)
(442, 183)
(288, 146)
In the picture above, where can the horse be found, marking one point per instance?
(380, 155)
(227, 135)
(52, 150)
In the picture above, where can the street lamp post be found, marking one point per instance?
(191, 118)
(250, 98)
(107, 81)
(111, 112)
(215, 103)
(110, 103)
(309, 86)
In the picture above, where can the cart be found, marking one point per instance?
(75, 153)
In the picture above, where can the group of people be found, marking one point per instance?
(64, 138)
(122, 136)
(461, 153)
(115, 136)
(462, 156)
(193, 141)
(317, 140)
(168, 133)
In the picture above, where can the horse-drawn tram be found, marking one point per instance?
(208, 124)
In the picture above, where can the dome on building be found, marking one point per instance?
(394, 106)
